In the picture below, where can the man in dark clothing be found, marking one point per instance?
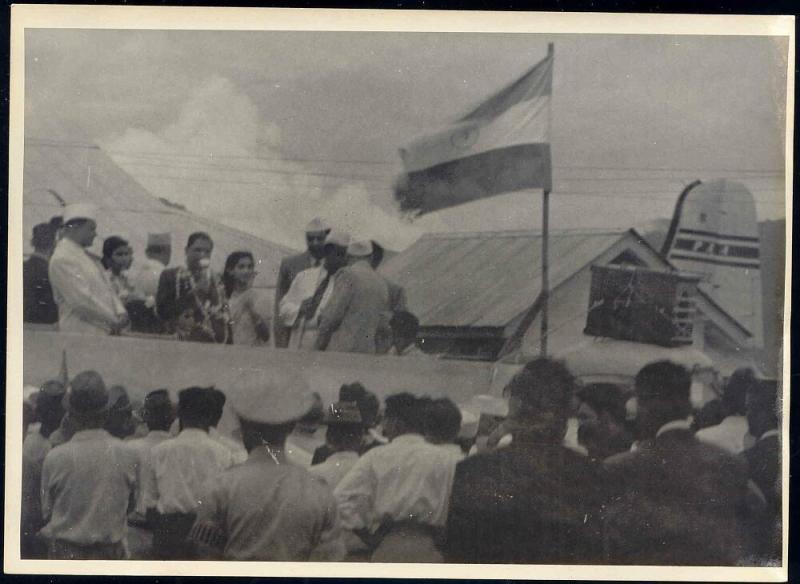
(764, 463)
(603, 427)
(534, 501)
(316, 231)
(38, 304)
(679, 501)
(368, 408)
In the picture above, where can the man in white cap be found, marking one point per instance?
(87, 302)
(268, 509)
(360, 298)
(316, 232)
(88, 482)
(311, 290)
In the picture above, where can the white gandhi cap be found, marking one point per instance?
(360, 248)
(80, 211)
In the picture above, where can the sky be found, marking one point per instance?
(266, 130)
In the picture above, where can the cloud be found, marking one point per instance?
(221, 159)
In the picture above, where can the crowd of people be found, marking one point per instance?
(330, 297)
(570, 474)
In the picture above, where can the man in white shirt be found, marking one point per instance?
(87, 302)
(146, 271)
(180, 468)
(87, 482)
(158, 413)
(732, 433)
(310, 292)
(395, 497)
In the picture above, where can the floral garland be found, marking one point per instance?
(217, 310)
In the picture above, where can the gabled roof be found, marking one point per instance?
(56, 175)
(487, 278)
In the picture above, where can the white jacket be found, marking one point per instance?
(85, 297)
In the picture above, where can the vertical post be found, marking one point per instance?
(546, 241)
(545, 269)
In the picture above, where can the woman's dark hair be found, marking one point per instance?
(230, 263)
(110, 245)
(199, 235)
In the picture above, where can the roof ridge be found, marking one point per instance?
(519, 233)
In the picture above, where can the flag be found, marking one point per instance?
(503, 145)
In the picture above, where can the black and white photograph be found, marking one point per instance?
(314, 292)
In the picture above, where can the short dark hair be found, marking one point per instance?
(543, 385)
(158, 411)
(442, 420)
(199, 235)
(218, 399)
(196, 406)
(44, 236)
(405, 408)
(665, 380)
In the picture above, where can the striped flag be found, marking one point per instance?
(503, 145)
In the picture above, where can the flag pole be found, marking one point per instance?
(545, 248)
(545, 269)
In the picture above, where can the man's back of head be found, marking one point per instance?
(158, 411)
(734, 396)
(196, 407)
(402, 415)
(539, 399)
(662, 393)
(443, 421)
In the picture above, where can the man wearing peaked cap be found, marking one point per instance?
(268, 509)
(87, 482)
(87, 302)
(358, 305)
(316, 232)
(311, 290)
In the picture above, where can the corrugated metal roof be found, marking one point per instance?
(489, 278)
(87, 174)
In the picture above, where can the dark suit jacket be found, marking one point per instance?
(289, 268)
(526, 503)
(764, 465)
(38, 303)
(678, 502)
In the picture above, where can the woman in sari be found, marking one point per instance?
(248, 325)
